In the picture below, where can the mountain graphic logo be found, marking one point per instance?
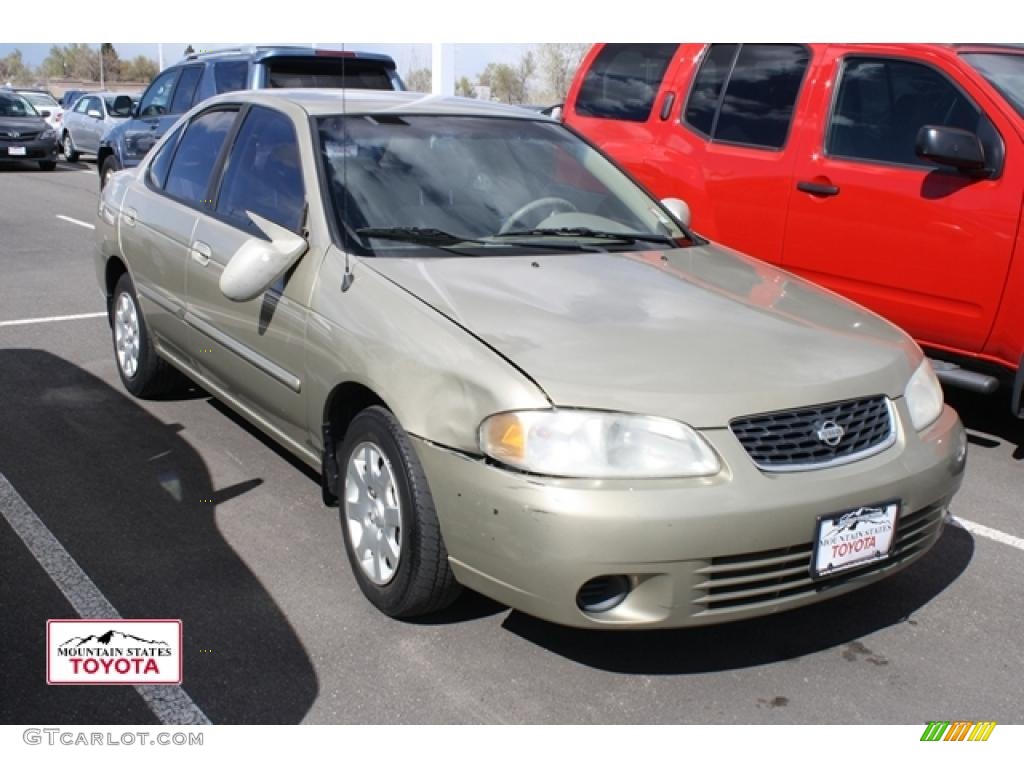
(109, 639)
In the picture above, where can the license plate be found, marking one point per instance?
(854, 537)
(16, 151)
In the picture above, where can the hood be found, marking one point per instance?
(20, 124)
(701, 334)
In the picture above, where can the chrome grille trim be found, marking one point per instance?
(740, 429)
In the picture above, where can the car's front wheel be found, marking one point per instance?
(392, 535)
(109, 168)
(68, 146)
(142, 371)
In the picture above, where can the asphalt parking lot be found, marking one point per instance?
(178, 509)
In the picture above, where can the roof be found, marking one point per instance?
(337, 101)
(260, 52)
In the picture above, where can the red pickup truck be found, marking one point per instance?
(892, 174)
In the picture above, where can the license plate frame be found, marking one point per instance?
(839, 545)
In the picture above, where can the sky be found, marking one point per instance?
(470, 58)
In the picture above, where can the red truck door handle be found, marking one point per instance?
(813, 188)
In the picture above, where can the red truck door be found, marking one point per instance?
(728, 151)
(925, 246)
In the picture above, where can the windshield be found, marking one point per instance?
(1006, 73)
(406, 184)
(13, 105)
(119, 106)
(40, 100)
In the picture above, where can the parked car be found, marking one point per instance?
(93, 115)
(514, 369)
(47, 106)
(892, 174)
(201, 75)
(70, 97)
(24, 134)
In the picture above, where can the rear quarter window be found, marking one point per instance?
(327, 72)
(623, 81)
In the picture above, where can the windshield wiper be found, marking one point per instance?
(438, 238)
(622, 237)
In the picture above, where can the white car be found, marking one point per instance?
(47, 106)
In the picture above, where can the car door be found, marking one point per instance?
(730, 155)
(75, 122)
(254, 350)
(927, 247)
(92, 128)
(154, 115)
(159, 216)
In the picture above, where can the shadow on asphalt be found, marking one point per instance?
(842, 621)
(988, 419)
(133, 503)
(32, 166)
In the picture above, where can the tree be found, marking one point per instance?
(504, 81)
(55, 63)
(111, 62)
(421, 79)
(13, 69)
(465, 88)
(141, 69)
(558, 64)
(524, 72)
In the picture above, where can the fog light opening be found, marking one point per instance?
(603, 593)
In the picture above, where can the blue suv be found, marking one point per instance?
(202, 75)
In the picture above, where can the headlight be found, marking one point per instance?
(924, 396)
(49, 133)
(572, 443)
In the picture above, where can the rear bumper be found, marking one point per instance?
(700, 551)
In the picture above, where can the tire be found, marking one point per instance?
(420, 580)
(109, 167)
(150, 375)
(47, 165)
(68, 147)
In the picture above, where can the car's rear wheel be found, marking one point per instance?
(392, 535)
(47, 165)
(142, 371)
(109, 168)
(68, 145)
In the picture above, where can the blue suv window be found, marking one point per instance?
(157, 99)
(230, 75)
(263, 173)
(186, 89)
(196, 158)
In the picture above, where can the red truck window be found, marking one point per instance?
(623, 80)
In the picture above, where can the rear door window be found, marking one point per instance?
(186, 90)
(761, 85)
(882, 104)
(623, 81)
(264, 173)
(197, 155)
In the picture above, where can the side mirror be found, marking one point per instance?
(258, 263)
(45, 113)
(95, 113)
(951, 146)
(679, 209)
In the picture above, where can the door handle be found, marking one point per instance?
(813, 188)
(201, 253)
(129, 215)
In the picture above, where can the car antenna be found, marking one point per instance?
(346, 280)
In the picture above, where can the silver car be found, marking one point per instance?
(516, 371)
(92, 116)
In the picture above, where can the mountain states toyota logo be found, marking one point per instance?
(113, 652)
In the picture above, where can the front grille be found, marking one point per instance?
(748, 580)
(789, 440)
(22, 136)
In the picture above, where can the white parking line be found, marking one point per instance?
(170, 703)
(76, 221)
(989, 533)
(53, 319)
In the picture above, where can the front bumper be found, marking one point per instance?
(34, 150)
(696, 551)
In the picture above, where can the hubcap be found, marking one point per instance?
(373, 513)
(126, 335)
(68, 149)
